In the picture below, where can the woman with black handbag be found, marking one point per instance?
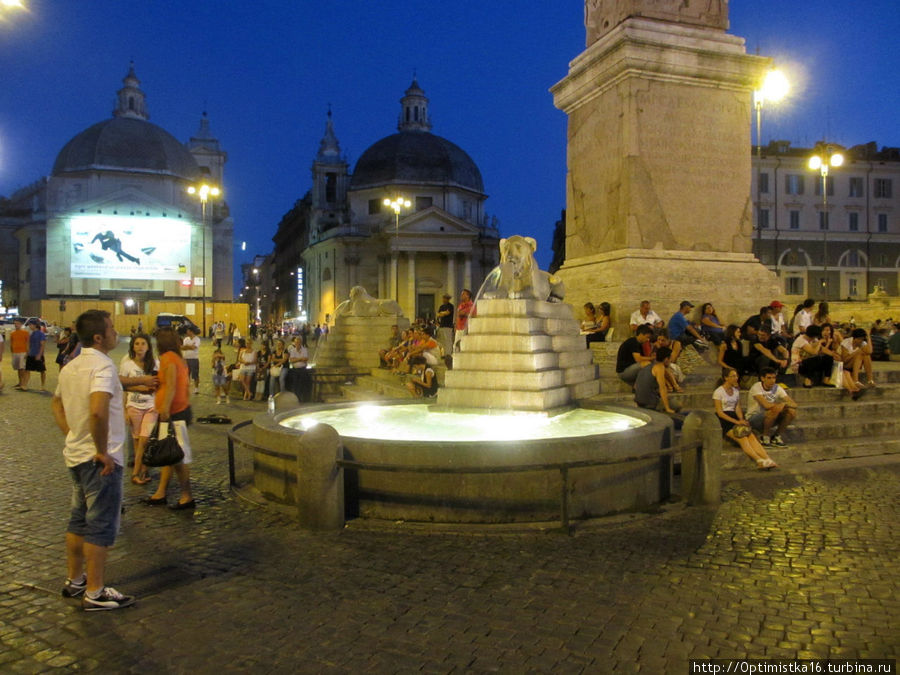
(173, 405)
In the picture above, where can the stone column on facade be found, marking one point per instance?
(393, 290)
(467, 273)
(411, 284)
(381, 275)
(451, 276)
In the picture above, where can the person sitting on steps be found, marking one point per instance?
(768, 406)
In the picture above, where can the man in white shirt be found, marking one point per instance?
(804, 317)
(768, 405)
(87, 407)
(299, 381)
(190, 352)
(645, 315)
(856, 353)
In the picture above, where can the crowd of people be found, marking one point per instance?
(766, 349)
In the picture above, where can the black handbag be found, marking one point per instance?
(163, 451)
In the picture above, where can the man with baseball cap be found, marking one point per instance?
(683, 330)
(779, 325)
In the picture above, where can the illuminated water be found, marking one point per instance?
(418, 423)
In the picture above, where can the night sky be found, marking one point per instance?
(266, 72)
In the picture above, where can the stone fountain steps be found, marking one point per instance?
(799, 452)
(521, 355)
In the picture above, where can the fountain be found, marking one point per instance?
(514, 398)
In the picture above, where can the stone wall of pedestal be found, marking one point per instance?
(735, 283)
(356, 340)
(520, 355)
(658, 187)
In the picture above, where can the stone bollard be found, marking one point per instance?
(320, 481)
(286, 400)
(701, 479)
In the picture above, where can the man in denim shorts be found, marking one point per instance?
(87, 407)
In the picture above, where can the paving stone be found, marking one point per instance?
(797, 562)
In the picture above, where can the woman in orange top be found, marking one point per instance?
(173, 405)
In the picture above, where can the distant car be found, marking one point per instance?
(176, 321)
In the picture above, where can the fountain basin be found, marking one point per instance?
(403, 435)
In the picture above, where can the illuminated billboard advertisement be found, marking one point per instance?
(123, 247)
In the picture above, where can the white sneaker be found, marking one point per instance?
(218, 401)
(109, 598)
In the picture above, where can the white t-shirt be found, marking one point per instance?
(128, 367)
(804, 319)
(729, 401)
(294, 353)
(638, 320)
(777, 323)
(847, 345)
(190, 348)
(772, 395)
(797, 351)
(89, 372)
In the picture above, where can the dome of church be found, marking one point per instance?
(126, 144)
(415, 157)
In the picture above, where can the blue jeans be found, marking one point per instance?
(96, 503)
(280, 379)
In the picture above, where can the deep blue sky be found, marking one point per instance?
(267, 70)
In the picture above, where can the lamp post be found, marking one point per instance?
(204, 192)
(824, 157)
(396, 205)
(773, 88)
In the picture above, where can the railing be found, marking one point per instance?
(562, 467)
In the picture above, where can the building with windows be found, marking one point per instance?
(341, 234)
(837, 246)
(114, 222)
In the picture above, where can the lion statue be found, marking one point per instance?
(518, 275)
(363, 304)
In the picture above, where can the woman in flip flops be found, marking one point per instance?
(137, 372)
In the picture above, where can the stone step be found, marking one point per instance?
(381, 386)
(798, 453)
(522, 326)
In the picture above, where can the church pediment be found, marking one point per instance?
(436, 221)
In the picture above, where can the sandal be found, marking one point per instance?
(140, 480)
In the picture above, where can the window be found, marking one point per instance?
(374, 206)
(28, 246)
(793, 286)
(882, 222)
(422, 203)
(853, 221)
(330, 187)
(762, 219)
(884, 260)
(793, 184)
(852, 287)
(795, 220)
(852, 259)
(763, 182)
(856, 186)
(882, 188)
(829, 182)
(823, 220)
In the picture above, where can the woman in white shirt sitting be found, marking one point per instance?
(727, 399)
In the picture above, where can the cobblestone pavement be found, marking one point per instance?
(792, 564)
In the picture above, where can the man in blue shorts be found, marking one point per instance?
(87, 407)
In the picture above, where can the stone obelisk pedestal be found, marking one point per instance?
(658, 186)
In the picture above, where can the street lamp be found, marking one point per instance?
(773, 88)
(204, 192)
(396, 205)
(826, 156)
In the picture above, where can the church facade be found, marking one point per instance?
(114, 222)
(342, 234)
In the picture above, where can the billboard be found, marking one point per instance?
(129, 247)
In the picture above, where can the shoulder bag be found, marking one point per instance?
(162, 446)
